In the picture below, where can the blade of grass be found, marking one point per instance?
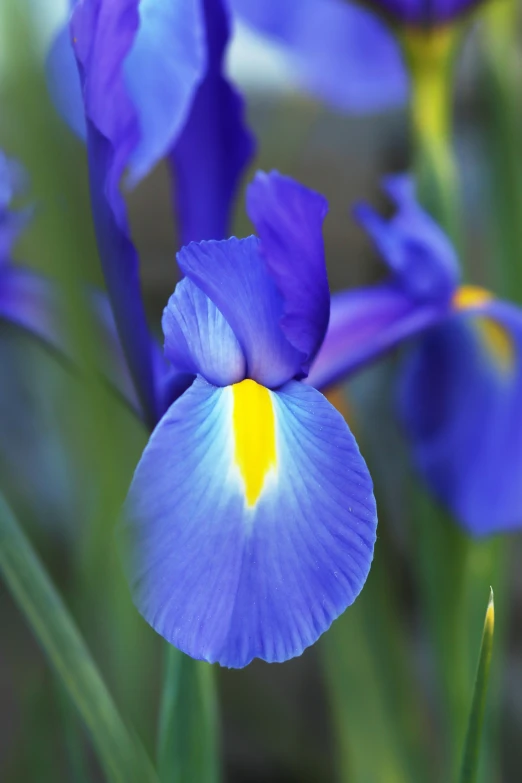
(503, 129)
(121, 754)
(187, 736)
(472, 745)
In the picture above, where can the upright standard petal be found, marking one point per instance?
(162, 71)
(460, 401)
(163, 57)
(325, 39)
(416, 250)
(215, 145)
(233, 274)
(198, 340)
(63, 83)
(250, 522)
(103, 33)
(364, 324)
(289, 222)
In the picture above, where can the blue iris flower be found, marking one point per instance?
(251, 519)
(461, 383)
(27, 299)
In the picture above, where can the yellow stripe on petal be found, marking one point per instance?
(495, 337)
(498, 341)
(254, 435)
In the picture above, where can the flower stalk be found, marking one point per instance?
(430, 57)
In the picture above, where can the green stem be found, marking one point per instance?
(503, 121)
(120, 753)
(383, 732)
(188, 732)
(478, 708)
(442, 551)
(74, 745)
(441, 558)
(430, 57)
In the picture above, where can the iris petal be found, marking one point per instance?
(198, 339)
(326, 38)
(63, 83)
(366, 322)
(289, 222)
(103, 34)
(460, 403)
(416, 250)
(159, 48)
(226, 579)
(29, 300)
(214, 147)
(163, 69)
(233, 274)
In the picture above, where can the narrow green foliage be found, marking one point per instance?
(430, 56)
(476, 719)
(382, 731)
(121, 755)
(502, 85)
(188, 734)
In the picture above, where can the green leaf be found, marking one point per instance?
(501, 86)
(120, 753)
(188, 734)
(377, 707)
(476, 719)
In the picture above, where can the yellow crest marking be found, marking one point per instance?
(254, 435)
(468, 296)
(496, 338)
(498, 341)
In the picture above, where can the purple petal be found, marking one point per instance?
(233, 274)
(289, 222)
(63, 83)
(461, 404)
(160, 49)
(214, 147)
(198, 340)
(162, 71)
(30, 301)
(416, 250)
(364, 324)
(343, 54)
(103, 34)
(121, 267)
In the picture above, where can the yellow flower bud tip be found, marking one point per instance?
(490, 612)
